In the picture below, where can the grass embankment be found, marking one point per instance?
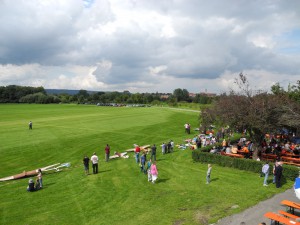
(119, 194)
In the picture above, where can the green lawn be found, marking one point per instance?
(119, 194)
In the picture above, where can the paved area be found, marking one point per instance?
(255, 214)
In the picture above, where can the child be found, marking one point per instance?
(30, 185)
(208, 174)
(154, 172)
(149, 170)
(37, 184)
(40, 178)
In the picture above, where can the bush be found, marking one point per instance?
(289, 172)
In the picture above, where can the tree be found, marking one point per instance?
(294, 91)
(181, 95)
(257, 111)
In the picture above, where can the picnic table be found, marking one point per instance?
(234, 155)
(292, 205)
(280, 219)
(290, 160)
(286, 214)
(269, 156)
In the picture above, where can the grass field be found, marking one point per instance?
(120, 193)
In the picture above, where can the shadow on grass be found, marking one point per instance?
(214, 179)
(47, 185)
(160, 160)
(162, 180)
(104, 171)
(283, 180)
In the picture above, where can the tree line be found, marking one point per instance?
(26, 94)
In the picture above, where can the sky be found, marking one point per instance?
(149, 45)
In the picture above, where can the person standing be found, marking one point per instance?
(198, 143)
(40, 178)
(154, 172)
(143, 162)
(137, 151)
(278, 174)
(37, 185)
(86, 162)
(265, 171)
(94, 160)
(163, 148)
(149, 163)
(186, 127)
(274, 175)
(172, 145)
(189, 128)
(30, 125)
(169, 147)
(107, 152)
(153, 153)
(208, 173)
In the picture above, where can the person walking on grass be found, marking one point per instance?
(30, 125)
(94, 160)
(86, 161)
(137, 151)
(163, 148)
(143, 162)
(107, 152)
(149, 163)
(153, 152)
(208, 173)
(154, 172)
(265, 170)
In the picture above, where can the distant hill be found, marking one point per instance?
(64, 91)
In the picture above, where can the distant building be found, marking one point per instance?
(192, 95)
(208, 94)
(165, 96)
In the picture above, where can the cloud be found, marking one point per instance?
(147, 46)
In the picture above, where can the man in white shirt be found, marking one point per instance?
(265, 171)
(94, 160)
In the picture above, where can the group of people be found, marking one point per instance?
(167, 147)
(95, 160)
(279, 147)
(277, 173)
(38, 184)
(150, 168)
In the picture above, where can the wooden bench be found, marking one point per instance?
(289, 155)
(234, 155)
(292, 205)
(268, 156)
(291, 163)
(279, 219)
(289, 215)
(291, 160)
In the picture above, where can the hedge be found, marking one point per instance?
(289, 172)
